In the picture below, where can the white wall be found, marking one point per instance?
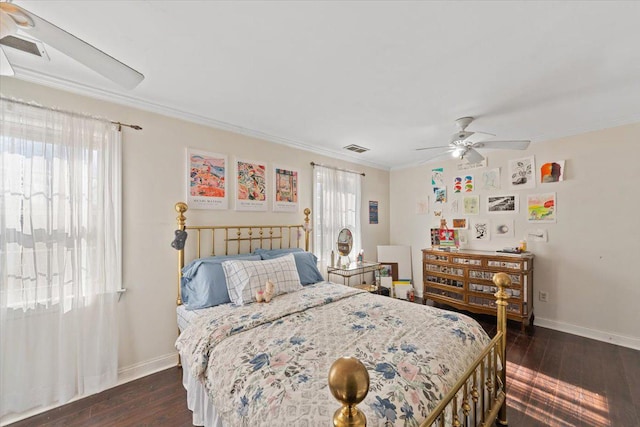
(153, 181)
(590, 265)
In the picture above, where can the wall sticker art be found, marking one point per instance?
(206, 180)
(503, 203)
(440, 194)
(437, 177)
(522, 173)
(480, 229)
(471, 205)
(459, 223)
(537, 235)
(466, 166)
(502, 228)
(491, 179)
(285, 183)
(552, 172)
(454, 207)
(422, 206)
(541, 207)
(251, 185)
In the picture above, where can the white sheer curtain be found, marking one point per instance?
(60, 262)
(336, 205)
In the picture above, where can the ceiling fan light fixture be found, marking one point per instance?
(458, 152)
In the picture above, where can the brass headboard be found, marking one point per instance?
(238, 239)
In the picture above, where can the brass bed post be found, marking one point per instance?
(181, 208)
(502, 281)
(307, 230)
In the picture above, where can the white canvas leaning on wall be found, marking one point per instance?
(399, 254)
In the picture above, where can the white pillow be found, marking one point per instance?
(244, 278)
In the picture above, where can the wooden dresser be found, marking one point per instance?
(462, 279)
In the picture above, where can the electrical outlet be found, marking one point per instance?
(543, 296)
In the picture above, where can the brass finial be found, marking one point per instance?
(502, 281)
(349, 384)
(181, 208)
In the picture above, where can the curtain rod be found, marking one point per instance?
(71, 113)
(338, 169)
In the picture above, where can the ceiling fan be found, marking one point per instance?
(16, 21)
(464, 144)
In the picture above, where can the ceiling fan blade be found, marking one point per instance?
(5, 67)
(476, 137)
(8, 26)
(75, 48)
(508, 145)
(431, 148)
(436, 155)
(472, 156)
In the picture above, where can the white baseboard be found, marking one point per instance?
(125, 375)
(147, 367)
(595, 334)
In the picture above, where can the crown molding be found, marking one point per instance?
(37, 77)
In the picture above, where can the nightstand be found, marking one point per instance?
(354, 269)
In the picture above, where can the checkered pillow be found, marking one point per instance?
(244, 278)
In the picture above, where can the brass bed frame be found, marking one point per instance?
(477, 399)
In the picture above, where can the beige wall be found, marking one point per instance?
(153, 180)
(590, 264)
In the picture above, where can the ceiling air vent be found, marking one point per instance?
(33, 47)
(355, 148)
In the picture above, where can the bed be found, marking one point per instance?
(250, 363)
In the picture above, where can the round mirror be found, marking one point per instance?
(345, 242)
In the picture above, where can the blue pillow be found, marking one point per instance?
(271, 253)
(203, 281)
(306, 264)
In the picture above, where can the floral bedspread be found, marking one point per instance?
(268, 364)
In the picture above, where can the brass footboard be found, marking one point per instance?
(479, 397)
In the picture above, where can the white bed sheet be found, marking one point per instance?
(204, 413)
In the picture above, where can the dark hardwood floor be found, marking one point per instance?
(554, 379)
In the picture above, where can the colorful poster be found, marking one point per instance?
(440, 194)
(522, 173)
(448, 237)
(491, 179)
(285, 189)
(471, 205)
(437, 177)
(251, 186)
(541, 207)
(552, 172)
(463, 184)
(373, 212)
(459, 223)
(206, 180)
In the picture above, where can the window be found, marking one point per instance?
(59, 255)
(336, 205)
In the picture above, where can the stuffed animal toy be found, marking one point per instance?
(269, 291)
(179, 241)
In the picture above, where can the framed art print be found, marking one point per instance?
(286, 186)
(251, 185)
(207, 180)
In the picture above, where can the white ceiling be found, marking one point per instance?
(389, 76)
